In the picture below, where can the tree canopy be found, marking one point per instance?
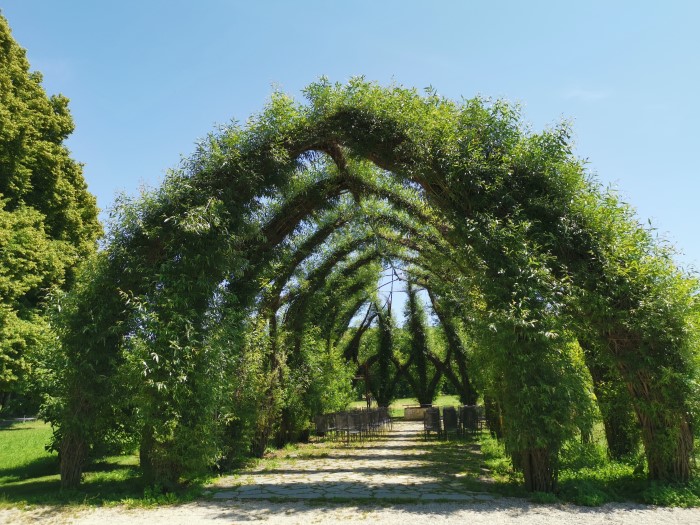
(48, 219)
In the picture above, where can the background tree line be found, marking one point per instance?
(48, 223)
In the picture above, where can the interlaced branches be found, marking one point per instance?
(257, 253)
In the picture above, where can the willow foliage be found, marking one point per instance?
(288, 220)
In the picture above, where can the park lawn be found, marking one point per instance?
(29, 475)
(396, 407)
(22, 452)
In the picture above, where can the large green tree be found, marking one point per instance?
(48, 219)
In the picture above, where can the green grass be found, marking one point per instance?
(29, 475)
(22, 453)
(396, 407)
(588, 478)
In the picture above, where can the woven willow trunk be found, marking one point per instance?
(73, 456)
(538, 469)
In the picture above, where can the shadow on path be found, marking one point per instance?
(402, 467)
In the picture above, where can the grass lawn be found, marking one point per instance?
(22, 453)
(30, 475)
(396, 407)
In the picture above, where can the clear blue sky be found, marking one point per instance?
(147, 78)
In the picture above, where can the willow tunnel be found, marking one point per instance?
(281, 227)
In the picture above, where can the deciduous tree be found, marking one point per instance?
(48, 219)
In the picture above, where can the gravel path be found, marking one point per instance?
(503, 511)
(393, 470)
(388, 482)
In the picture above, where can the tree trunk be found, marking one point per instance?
(73, 456)
(619, 419)
(621, 432)
(146, 454)
(668, 447)
(286, 431)
(463, 385)
(540, 474)
(5, 398)
(494, 418)
(665, 423)
(467, 393)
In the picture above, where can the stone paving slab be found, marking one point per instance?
(393, 468)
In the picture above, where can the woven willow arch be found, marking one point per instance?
(515, 207)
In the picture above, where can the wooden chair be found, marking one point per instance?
(431, 421)
(469, 419)
(449, 421)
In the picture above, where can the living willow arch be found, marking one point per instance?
(515, 237)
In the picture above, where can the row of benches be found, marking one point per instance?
(353, 424)
(467, 419)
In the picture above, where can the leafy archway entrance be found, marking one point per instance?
(273, 232)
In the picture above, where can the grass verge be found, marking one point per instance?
(29, 475)
(587, 477)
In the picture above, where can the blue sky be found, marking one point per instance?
(148, 78)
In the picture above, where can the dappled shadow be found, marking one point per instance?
(120, 482)
(450, 472)
(417, 488)
(397, 446)
(49, 492)
(37, 468)
(109, 466)
(339, 470)
(404, 467)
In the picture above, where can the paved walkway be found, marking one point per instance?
(396, 468)
(376, 482)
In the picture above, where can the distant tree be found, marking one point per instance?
(48, 219)
(385, 351)
(423, 377)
